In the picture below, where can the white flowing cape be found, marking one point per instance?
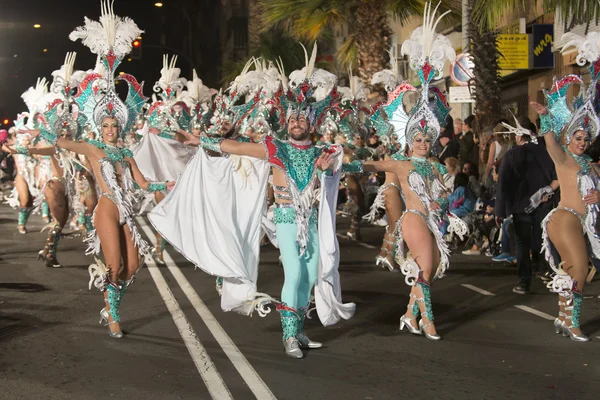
(160, 159)
(214, 216)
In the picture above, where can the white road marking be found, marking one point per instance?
(241, 364)
(478, 290)
(206, 368)
(536, 312)
(368, 246)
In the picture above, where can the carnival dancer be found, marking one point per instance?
(308, 253)
(571, 226)
(353, 116)
(161, 154)
(114, 168)
(421, 180)
(26, 189)
(388, 196)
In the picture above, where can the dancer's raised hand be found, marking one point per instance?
(540, 109)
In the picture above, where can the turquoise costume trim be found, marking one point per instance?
(22, 150)
(298, 162)
(355, 167)
(576, 312)
(45, 209)
(289, 322)
(287, 215)
(157, 187)
(49, 137)
(23, 216)
(443, 202)
(114, 154)
(166, 135)
(114, 300)
(424, 167)
(425, 288)
(211, 143)
(583, 161)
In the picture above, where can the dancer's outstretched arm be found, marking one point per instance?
(67, 144)
(554, 148)
(221, 145)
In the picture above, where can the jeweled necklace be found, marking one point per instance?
(583, 161)
(114, 153)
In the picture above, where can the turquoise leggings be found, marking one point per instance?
(300, 272)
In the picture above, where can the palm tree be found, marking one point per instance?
(364, 24)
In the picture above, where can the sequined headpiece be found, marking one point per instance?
(428, 51)
(111, 39)
(312, 91)
(588, 107)
(352, 115)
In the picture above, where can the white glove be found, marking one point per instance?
(536, 199)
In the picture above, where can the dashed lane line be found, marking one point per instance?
(241, 364)
(536, 312)
(478, 290)
(204, 364)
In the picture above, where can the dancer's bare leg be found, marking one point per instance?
(565, 232)
(356, 194)
(160, 243)
(106, 222)
(424, 251)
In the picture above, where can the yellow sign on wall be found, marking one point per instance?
(514, 51)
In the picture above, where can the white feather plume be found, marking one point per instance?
(356, 91)
(588, 46)
(425, 44)
(389, 78)
(197, 92)
(111, 32)
(35, 96)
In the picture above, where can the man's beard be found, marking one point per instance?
(304, 135)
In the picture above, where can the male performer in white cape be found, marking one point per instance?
(214, 217)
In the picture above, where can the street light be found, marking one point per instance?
(158, 4)
(37, 26)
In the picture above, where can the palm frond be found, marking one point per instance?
(404, 10)
(347, 53)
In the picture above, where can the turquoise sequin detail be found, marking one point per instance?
(114, 301)
(287, 215)
(45, 209)
(157, 187)
(427, 300)
(211, 143)
(23, 216)
(49, 137)
(443, 202)
(575, 314)
(355, 167)
(113, 153)
(415, 309)
(166, 135)
(299, 162)
(289, 323)
(423, 167)
(22, 150)
(583, 161)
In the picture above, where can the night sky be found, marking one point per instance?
(23, 60)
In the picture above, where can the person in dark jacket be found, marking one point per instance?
(469, 150)
(526, 173)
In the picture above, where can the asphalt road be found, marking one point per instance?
(180, 345)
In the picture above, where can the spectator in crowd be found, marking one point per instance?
(500, 144)
(373, 141)
(458, 127)
(461, 201)
(471, 172)
(453, 168)
(526, 170)
(469, 151)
